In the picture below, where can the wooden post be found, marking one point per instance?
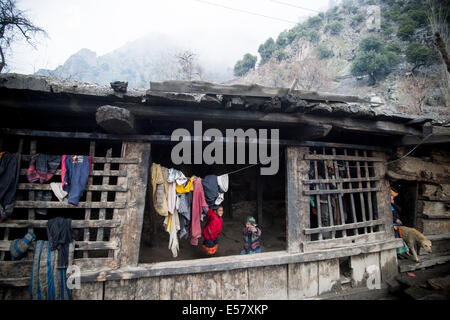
(297, 204)
(132, 216)
(259, 196)
(383, 197)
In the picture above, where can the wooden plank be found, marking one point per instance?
(330, 208)
(134, 213)
(244, 90)
(102, 188)
(76, 224)
(424, 263)
(317, 199)
(344, 227)
(63, 205)
(147, 289)
(206, 286)
(15, 269)
(102, 160)
(96, 245)
(89, 291)
(340, 191)
(268, 283)
(368, 245)
(361, 265)
(96, 173)
(120, 290)
(352, 198)
(79, 245)
(343, 242)
(259, 196)
(329, 276)
(341, 180)
(297, 204)
(104, 195)
(86, 264)
(388, 264)
(433, 226)
(303, 280)
(320, 144)
(88, 211)
(417, 169)
(369, 195)
(339, 187)
(361, 196)
(338, 157)
(235, 285)
(31, 194)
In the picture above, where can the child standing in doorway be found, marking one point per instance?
(212, 230)
(252, 233)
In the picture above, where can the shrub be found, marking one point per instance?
(387, 28)
(419, 16)
(356, 20)
(334, 28)
(313, 36)
(406, 29)
(373, 59)
(314, 22)
(243, 66)
(324, 52)
(419, 55)
(266, 49)
(279, 54)
(394, 47)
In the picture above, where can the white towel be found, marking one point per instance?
(222, 181)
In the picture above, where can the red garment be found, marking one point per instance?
(198, 201)
(213, 227)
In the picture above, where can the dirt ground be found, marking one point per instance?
(230, 241)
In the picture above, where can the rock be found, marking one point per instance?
(115, 120)
(119, 86)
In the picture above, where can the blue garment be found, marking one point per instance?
(257, 250)
(76, 176)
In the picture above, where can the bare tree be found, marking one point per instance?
(312, 74)
(188, 66)
(13, 24)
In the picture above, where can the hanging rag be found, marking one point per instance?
(47, 282)
(222, 181)
(9, 178)
(59, 231)
(184, 212)
(160, 188)
(42, 167)
(211, 189)
(198, 205)
(75, 172)
(176, 176)
(187, 187)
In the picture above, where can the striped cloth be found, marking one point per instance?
(47, 282)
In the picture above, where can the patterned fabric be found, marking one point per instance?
(42, 167)
(47, 282)
(251, 239)
(19, 247)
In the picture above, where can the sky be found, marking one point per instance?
(105, 25)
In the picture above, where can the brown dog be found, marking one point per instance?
(414, 239)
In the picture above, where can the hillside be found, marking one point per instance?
(320, 51)
(151, 58)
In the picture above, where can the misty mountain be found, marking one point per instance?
(151, 58)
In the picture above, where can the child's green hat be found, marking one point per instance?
(251, 220)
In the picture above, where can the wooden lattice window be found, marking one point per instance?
(337, 196)
(98, 220)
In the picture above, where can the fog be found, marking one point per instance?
(221, 34)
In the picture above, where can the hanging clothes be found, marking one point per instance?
(184, 213)
(9, 178)
(211, 190)
(75, 172)
(59, 231)
(222, 181)
(47, 282)
(42, 167)
(176, 176)
(160, 188)
(172, 221)
(19, 247)
(198, 205)
(187, 187)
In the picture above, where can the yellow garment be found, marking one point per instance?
(1, 154)
(158, 177)
(189, 187)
